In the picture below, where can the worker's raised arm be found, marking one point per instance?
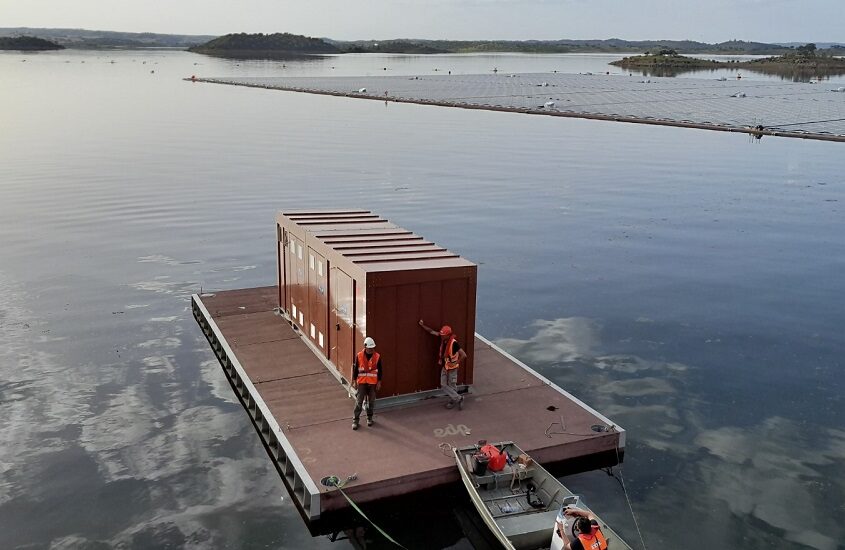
(429, 329)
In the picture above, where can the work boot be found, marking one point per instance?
(354, 424)
(461, 404)
(450, 404)
(370, 422)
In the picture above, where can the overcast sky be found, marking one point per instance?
(703, 20)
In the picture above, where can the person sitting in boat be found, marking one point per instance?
(450, 357)
(366, 379)
(586, 529)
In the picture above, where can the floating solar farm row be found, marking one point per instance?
(765, 107)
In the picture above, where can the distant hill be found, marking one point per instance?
(610, 45)
(27, 44)
(85, 39)
(284, 44)
(260, 45)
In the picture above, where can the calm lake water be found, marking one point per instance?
(686, 283)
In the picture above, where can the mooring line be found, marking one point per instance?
(333, 481)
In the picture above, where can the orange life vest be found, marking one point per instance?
(593, 541)
(450, 360)
(367, 368)
(496, 458)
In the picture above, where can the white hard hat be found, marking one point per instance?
(369, 342)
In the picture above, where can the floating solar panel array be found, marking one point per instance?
(779, 108)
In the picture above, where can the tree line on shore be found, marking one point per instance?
(259, 45)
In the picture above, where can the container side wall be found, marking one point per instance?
(413, 364)
(382, 327)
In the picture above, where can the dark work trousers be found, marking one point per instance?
(368, 392)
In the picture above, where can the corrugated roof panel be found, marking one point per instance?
(369, 241)
(382, 251)
(306, 213)
(353, 241)
(400, 257)
(382, 244)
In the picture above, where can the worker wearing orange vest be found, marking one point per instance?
(366, 379)
(450, 357)
(587, 530)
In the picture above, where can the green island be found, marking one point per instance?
(802, 62)
(264, 46)
(27, 44)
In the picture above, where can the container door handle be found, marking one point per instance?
(337, 326)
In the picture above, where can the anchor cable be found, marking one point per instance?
(621, 481)
(333, 481)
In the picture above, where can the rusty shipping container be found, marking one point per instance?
(347, 274)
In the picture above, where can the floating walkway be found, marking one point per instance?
(303, 415)
(788, 109)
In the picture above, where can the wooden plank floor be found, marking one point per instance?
(402, 452)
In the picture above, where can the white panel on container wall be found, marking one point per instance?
(320, 334)
(313, 331)
(294, 312)
(320, 269)
(311, 261)
(299, 251)
(301, 320)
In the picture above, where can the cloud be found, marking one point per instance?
(770, 481)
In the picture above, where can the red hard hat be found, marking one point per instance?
(445, 330)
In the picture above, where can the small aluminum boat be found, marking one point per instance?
(522, 503)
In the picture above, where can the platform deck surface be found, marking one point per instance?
(402, 452)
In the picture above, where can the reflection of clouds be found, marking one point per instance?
(30, 402)
(145, 418)
(168, 319)
(574, 339)
(127, 439)
(637, 387)
(161, 343)
(165, 260)
(558, 340)
(160, 285)
(776, 479)
(627, 388)
(777, 472)
(212, 375)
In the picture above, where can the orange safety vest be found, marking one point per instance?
(593, 541)
(367, 368)
(450, 360)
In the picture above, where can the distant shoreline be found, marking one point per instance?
(88, 39)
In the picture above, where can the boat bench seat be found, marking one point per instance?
(505, 476)
(529, 529)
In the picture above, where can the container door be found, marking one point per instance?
(298, 282)
(283, 270)
(343, 321)
(318, 306)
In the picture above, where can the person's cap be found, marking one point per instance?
(369, 343)
(445, 330)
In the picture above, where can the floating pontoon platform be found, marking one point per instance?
(786, 109)
(303, 414)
